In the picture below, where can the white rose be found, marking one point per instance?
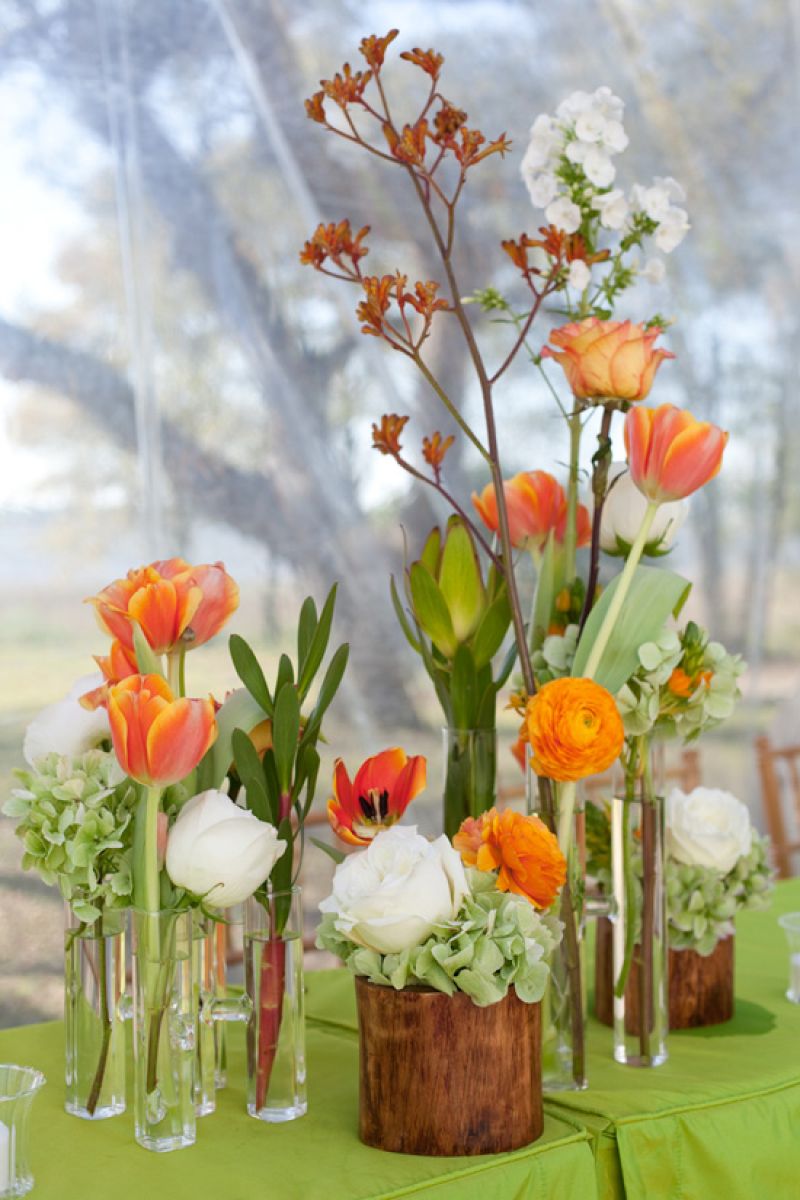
(66, 727)
(579, 276)
(564, 214)
(612, 207)
(389, 897)
(623, 513)
(707, 828)
(220, 851)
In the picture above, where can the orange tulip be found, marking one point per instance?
(522, 850)
(174, 603)
(119, 663)
(382, 790)
(614, 359)
(158, 739)
(671, 454)
(536, 503)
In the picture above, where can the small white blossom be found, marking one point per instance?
(544, 146)
(612, 207)
(672, 230)
(575, 104)
(590, 126)
(598, 167)
(615, 139)
(542, 188)
(653, 201)
(608, 104)
(653, 270)
(564, 214)
(576, 152)
(579, 276)
(674, 190)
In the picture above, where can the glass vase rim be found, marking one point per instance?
(296, 889)
(468, 729)
(161, 912)
(790, 922)
(36, 1080)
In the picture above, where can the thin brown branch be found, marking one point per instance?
(439, 487)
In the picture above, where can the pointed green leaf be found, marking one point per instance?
(653, 597)
(331, 851)
(240, 711)
(251, 772)
(328, 688)
(431, 550)
(148, 662)
(431, 611)
(247, 667)
(306, 627)
(460, 580)
(507, 666)
(492, 629)
(285, 733)
(285, 673)
(464, 689)
(319, 644)
(402, 618)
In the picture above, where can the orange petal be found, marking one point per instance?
(178, 738)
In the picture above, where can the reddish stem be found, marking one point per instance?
(270, 1013)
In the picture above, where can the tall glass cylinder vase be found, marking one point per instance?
(564, 1001)
(94, 981)
(273, 964)
(640, 943)
(204, 968)
(470, 777)
(164, 1024)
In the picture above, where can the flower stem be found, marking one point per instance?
(566, 810)
(622, 589)
(105, 1018)
(571, 530)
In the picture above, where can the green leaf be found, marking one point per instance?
(306, 627)
(331, 851)
(251, 772)
(507, 666)
(492, 629)
(247, 667)
(402, 618)
(319, 644)
(431, 611)
(328, 689)
(654, 596)
(285, 673)
(431, 550)
(460, 580)
(285, 734)
(240, 711)
(464, 689)
(148, 662)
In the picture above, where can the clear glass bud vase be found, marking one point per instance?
(470, 777)
(640, 943)
(94, 981)
(164, 1028)
(273, 964)
(205, 988)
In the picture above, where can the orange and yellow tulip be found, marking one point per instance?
(382, 790)
(607, 359)
(670, 453)
(536, 504)
(118, 664)
(158, 739)
(175, 604)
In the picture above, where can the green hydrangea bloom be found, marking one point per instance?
(498, 940)
(76, 828)
(554, 658)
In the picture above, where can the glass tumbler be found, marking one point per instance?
(18, 1086)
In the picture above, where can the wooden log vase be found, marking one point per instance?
(440, 1076)
(701, 989)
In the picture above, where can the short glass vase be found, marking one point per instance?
(18, 1088)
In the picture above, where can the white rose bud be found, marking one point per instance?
(623, 513)
(220, 851)
(66, 727)
(389, 897)
(707, 828)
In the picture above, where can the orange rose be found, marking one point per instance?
(574, 728)
(614, 359)
(522, 850)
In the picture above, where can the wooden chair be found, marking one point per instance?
(779, 771)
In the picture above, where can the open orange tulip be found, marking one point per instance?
(158, 739)
(119, 663)
(536, 504)
(670, 453)
(174, 603)
(382, 790)
(607, 359)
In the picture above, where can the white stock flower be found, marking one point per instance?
(707, 828)
(590, 125)
(565, 215)
(623, 513)
(608, 104)
(544, 146)
(653, 270)
(612, 207)
(672, 230)
(542, 187)
(615, 139)
(66, 727)
(579, 276)
(576, 152)
(653, 201)
(220, 851)
(598, 167)
(390, 896)
(674, 190)
(573, 105)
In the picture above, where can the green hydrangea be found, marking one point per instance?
(76, 828)
(554, 658)
(702, 905)
(497, 941)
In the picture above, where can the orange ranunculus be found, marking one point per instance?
(536, 503)
(574, 728)
(174, 603)
(523, 851)
(670, 453)
(382, 790)
(519, 749)
(607, 359)
(158, 739)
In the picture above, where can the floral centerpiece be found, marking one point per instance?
(436, 932)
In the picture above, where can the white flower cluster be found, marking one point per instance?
(569, 171)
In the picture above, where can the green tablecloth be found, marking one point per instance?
(720, 1119)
